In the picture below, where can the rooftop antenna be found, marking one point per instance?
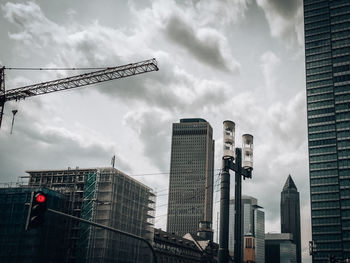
(13, 119)
(113, 161)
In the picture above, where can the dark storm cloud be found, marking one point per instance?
(207, 51)
(34, 147)
(287, 8)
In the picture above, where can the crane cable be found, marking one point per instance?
(23, 68)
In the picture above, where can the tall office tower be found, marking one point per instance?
(106, 196)
(290, 213)
(327, 45)
(191, 176)
(253, 220)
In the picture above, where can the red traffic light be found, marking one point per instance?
(40, 198)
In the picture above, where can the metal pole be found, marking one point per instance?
(238, 207)
(224, 211)
(108, 228)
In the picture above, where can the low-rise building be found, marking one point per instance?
(44, 244)
(280, 248)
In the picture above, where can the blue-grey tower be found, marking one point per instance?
(327, 59)
(290, 214)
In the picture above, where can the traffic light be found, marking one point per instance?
(37, 209)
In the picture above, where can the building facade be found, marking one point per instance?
(327, 45)
(44, 244)
(290, 213)
(191, 176)
(109, 197)
(253, 220)
(280, 248)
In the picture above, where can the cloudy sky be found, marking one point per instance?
(239, 60)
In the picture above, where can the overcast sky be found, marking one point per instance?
(239, 60)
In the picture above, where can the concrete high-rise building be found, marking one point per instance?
(106, 196)
(191, 176)
(290, 213)
(253, 220)
(327, 45)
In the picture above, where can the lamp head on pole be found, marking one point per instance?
(247, 152)
(229, 140)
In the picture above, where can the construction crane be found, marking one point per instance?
(72, 82)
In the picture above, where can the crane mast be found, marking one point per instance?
(72, 82)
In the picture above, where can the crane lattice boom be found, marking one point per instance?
(73, 82)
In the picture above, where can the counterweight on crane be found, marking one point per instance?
(72, 82)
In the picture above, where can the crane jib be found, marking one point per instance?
(76, 81)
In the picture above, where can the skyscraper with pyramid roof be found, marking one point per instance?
(290, 213)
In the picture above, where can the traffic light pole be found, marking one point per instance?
(107, 228)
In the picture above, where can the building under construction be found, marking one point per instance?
(106, 196)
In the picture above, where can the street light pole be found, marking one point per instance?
(230, 153)
(238, 208)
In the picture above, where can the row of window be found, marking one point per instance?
(344, 153)
(314, 91)
(326, 165)
(320, 111)
(319, 76)
(322, 181)
(341, 43)
(322, 158)
(323, 135)
(341, 68)
(340, 26)
(344, 163)
(339, 35)
(340, 18)
(319, 83)
(322, 150)
(324, 204)
(328, 229)
(322, 128)
(344, 172)
(343, 144)
(322, 142)
(322, 119)
(340, 10)
(326, 221)
(316, 5)
(327, 188)
(341, 52)
(318, 24)
(328, 237)
(343, 125)
(342, 107)
(340, 60)
(316, 12)
(318, 197)
(343, 78)
(318, 63)
(342, 98)
(318, 30)
(320, 97)
(323, 173)
(323, 36)
(320, 69)
(343, 115)
(316, 44)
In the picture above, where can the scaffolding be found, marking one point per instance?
(88, 212)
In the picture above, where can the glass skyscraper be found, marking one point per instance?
(191, 176)
(253, 222)
(327, 58)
